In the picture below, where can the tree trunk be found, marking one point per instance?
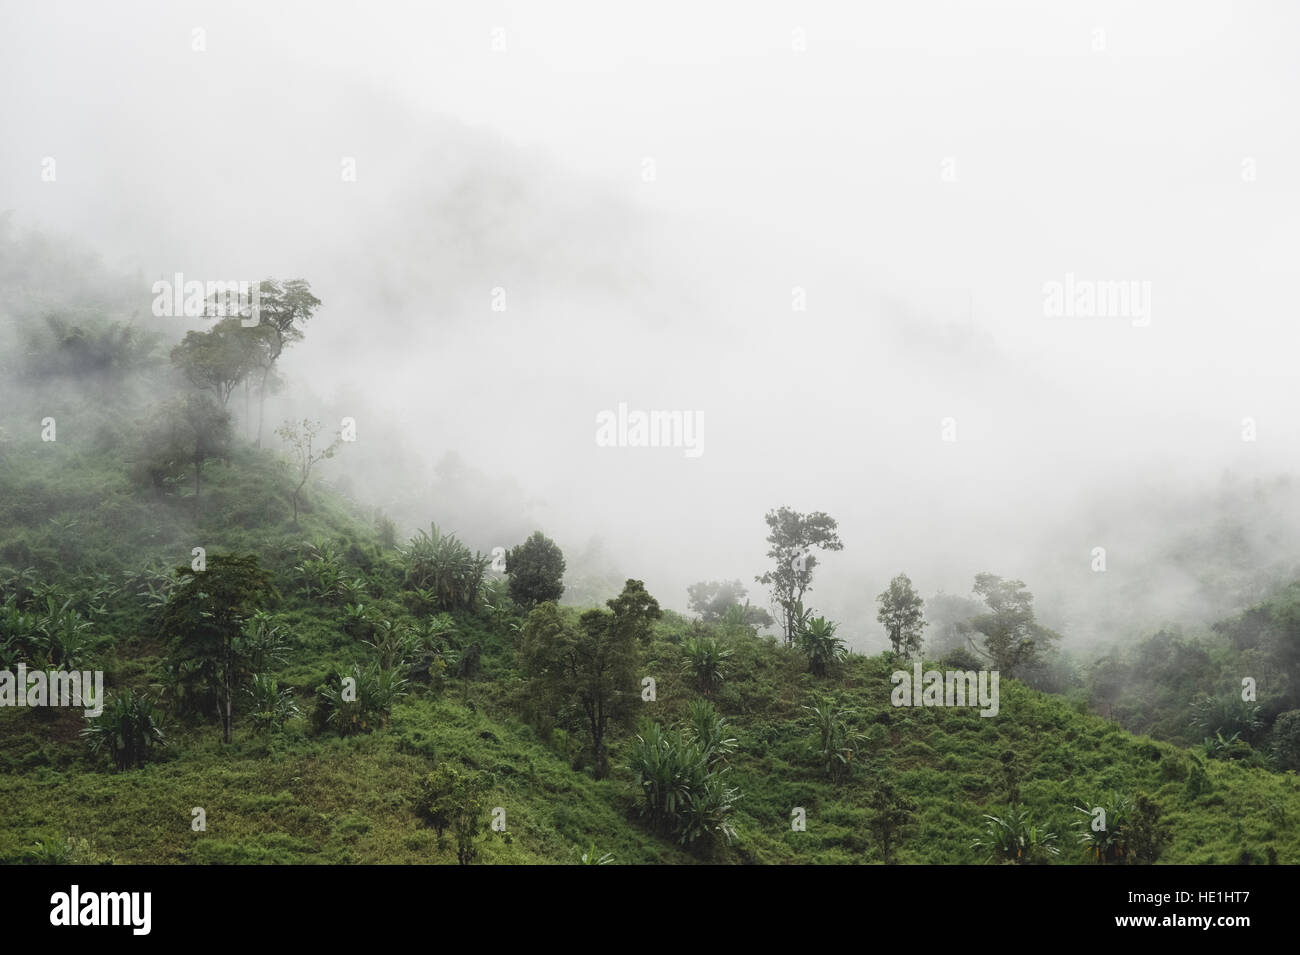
(596, 718)
(261, 404)
(227, 718)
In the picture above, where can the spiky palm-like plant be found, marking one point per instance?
(591, 858)
(269, 706)
(818, 641)
(129, 724)
(393, 643)
(837, 741)
(321, 571)
(1103, 835)
(360, 700)
(707, 661)
(440, 567)
(682, 785)
(1013, 837)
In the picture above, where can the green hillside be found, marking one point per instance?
(117, 464)
(302, 795)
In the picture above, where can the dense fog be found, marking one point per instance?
(802, 234)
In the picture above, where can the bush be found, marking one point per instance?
(1108, 842)
(450, 799)
(1147, 834)
(363, 705)
(442, 572)
(682, 786)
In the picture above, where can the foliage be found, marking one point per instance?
(1108, 842)
(445, 568)
(836, 741)
(360, 700)
(707, 662)
(451, 799)
(321, 571)
(890, 812)
(818, 642)
(791, 538)
(1012, 637)
(204, 620)
(1013, 837)
(304, 452)
(1148, 834)
(715, 601)
(129, 724)
(1227, 715)
(536, 571)
(283, 307)
(52, 634)
(394, 644)
(269, 706)
(682, 784)
(219, 359)
(591, 668)
(901, 615)
(1286, 740)
(591, 858)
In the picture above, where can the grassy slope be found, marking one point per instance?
(298, 798)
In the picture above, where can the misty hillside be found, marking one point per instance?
(97, 529)
(702, 434)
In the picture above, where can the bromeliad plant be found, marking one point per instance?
(590, 857)
(707, 661)
(321, 572)
(360, 700)
(836, 741)
(1013, 837)
(1103, 833)
(394, 643)
(442, 572)
(128, 726)
(269, 706)
(682, 783)
(817, 639)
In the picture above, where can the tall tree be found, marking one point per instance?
(711, 598)
(204, 620)
(283, 308)
(201, 430)
(1012, 637)
(591, 667)
(900, 614)
(792, 537)
(220, 358)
